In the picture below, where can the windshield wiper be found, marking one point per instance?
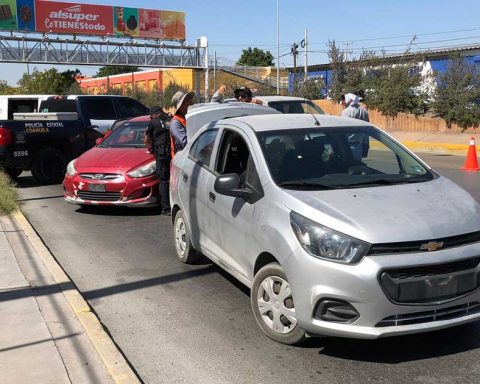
(306, 185)
(387, 181)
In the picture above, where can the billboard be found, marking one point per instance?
(79, 19)
(26, 15)
(86, 19)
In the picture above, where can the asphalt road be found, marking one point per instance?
(193, 324)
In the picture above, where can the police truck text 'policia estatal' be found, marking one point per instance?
(70, 20)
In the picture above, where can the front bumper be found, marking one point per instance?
(118, 191)
(313, 280)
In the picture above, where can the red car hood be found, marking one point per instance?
(112, 160)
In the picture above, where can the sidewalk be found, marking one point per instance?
(48, 332)
(442, 143)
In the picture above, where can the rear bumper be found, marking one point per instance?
(8, 160)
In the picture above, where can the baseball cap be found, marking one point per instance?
(243, 91)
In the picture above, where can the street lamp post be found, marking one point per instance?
(278, 51)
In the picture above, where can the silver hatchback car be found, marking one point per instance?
(336, 227)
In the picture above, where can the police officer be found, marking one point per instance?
(157, 140)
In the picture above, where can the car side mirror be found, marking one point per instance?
(99, 141)
(229, 185)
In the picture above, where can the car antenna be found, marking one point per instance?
(316, 121)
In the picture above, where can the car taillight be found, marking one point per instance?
(5, 136)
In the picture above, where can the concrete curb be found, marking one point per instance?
(445, 147)
(114, 361)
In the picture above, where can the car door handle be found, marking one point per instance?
(185, 177)
(211, 196)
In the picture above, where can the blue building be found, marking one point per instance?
(434, 63)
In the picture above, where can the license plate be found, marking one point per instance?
(96, 187)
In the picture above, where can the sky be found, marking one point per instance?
(231, 26)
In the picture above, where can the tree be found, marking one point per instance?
(169, 91)
(152, 98)
(309, 88)
(256, 58)
(339, 67)
(393, 88)
(457, 96)
(5, 89)
(111, 70)
(48, 81)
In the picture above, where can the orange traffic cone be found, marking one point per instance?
(471, 162)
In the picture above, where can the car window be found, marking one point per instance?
(130, 108)
(57, 104)
(233, 155)
(201, 149)
(340, 157)
(295, 106)
(128, 134)
(99, 109)
(252, 180)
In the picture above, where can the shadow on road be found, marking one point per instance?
(400, 349)
(28, 181)
(41, 198)
(118, 211)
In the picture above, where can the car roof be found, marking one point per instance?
(280, 98)
(73, 97)
(138, 119)
(205, 107)
(262, 123)
(200, 114)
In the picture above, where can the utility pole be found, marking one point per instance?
(278, 50)
(294, 52)
(215, 71)
(305, 47)
(346, 50)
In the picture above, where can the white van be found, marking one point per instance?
(10, 104)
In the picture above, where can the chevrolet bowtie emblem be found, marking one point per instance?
(431, 246)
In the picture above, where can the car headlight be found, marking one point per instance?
(71, 168)
(144, 170)
(325, 243)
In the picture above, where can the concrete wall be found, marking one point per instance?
(144, 80)
(402, 122)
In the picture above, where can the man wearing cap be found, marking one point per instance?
(245, 95)
(354, 110)
(181, 101)
(157, 140)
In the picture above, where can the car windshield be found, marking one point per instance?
(337, 158)
(296, 106)
(128, 134)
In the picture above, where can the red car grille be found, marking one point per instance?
(100, 176)
(99, 196)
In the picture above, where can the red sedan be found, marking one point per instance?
(118, 171)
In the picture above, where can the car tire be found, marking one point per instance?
(13, 172)
(181, 236)
(273, 306)
(49, 166)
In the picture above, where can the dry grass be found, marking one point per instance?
(8, 195)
